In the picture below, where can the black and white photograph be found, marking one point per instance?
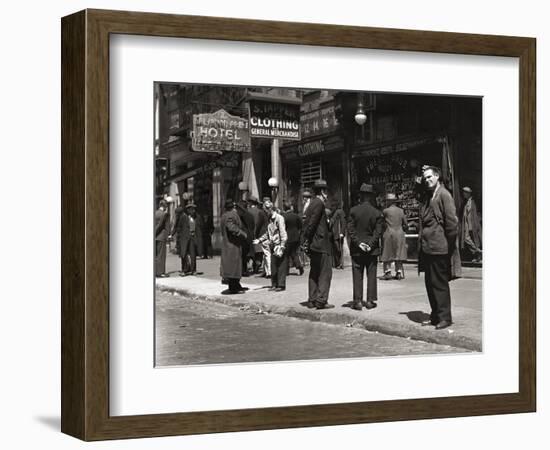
(309, 223)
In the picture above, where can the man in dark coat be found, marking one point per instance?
(188, 228)
(162, 230)
(470, 226)
(260, 227)
(316, 243)
(438, 237)
(293, 224)
(394, 243)
(338, 227)
(365, 226)
(247, 223)
(233, 238)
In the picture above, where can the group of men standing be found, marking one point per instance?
(258, 236)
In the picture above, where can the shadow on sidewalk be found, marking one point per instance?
(416, 316)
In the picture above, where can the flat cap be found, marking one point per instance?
(320, 184)
(366, 188)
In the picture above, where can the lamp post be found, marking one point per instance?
(243, 188)
(274, 185)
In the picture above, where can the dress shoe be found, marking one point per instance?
(271, 288)
(280, 289)
(357, 306)
(443, 324)
(425, 323)
(398, 276)
(370, 305)
(308, 304)
(324, 306)
(386, 276)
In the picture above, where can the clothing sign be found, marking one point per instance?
(274, 120)
(220, 132)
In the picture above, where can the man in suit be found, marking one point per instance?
(247, 221)
(316, 243)
(338, 227)
(188, 228)
(437, 235)
(470, 227)
(260, 227)
(293, 224)
(162, 230)
(233, 238)
(365, 226)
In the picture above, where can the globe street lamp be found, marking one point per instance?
(243, 187)
(274, 185)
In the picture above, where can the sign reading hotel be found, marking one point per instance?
(274, 120)
(220, 132)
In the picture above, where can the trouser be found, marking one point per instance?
(234, 284)
(398, 267)
(359, 264)
(320, 276)
(279, 268)
(160, 257)
(436, 278)
(470, 245)
(338, 253)
(245, 259)
(293, 258)
(267, 258)
(189, 257)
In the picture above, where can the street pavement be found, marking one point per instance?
(402, 305)
(192, 331)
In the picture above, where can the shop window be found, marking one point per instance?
(311, 171)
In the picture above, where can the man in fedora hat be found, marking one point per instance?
(316, 243)
(365, 225)
(470, 226)
(394, 245)
(162, 231)
(233, 238)
(188, 229)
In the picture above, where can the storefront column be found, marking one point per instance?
(276, 171)
(217, 191)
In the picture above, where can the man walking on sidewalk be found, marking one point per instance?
(437, 235)
(365, 226)
(316, 243)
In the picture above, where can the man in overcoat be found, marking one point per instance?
(365, 226)
(188, 229)
(260, 227)
(470, 226)
(233, 238)
(394, 245)
(293, 224)
(438, 236)
(338, 227)
(162, 231)
(316, 243)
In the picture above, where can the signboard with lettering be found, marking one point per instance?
(318, 122)
(274, 120)
(220, 132)
(312, 148)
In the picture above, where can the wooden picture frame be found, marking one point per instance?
(85, 224)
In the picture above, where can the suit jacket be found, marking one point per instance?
(338, 223)
(162, 225)
(315, 233)
(365, 224)
(293, 224)
(438, 223)
(183, 230)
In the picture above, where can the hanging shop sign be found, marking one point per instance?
(312, 148)
(274, 120)
(318, 122)
(220, 132)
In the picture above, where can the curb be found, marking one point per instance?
(337, 318)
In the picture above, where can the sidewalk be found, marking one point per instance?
(402, 305)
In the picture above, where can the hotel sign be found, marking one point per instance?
(220, 132)
(274, 120)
